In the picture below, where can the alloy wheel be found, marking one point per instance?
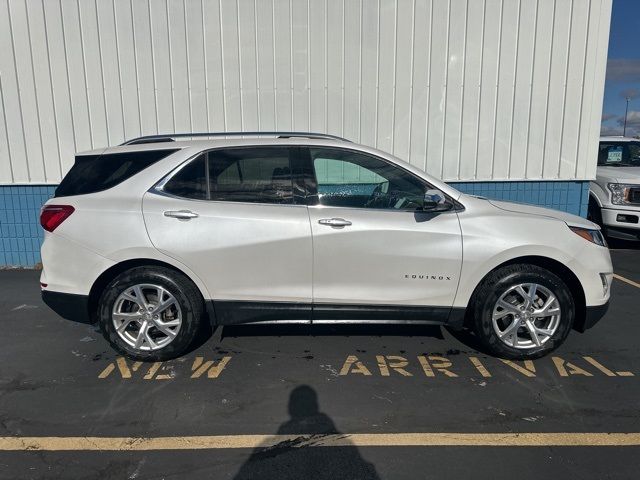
(526, 316)
(147, 317)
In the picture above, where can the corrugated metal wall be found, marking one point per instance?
(467, 89)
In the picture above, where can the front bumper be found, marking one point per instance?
(592, 316)
(68, 305)
(623, 230)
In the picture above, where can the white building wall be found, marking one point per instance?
(466, 89)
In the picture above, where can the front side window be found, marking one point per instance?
(356, 180)
(619, 154)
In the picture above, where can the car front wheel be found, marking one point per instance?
(523, 312)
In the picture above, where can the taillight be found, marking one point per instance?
(52, 216)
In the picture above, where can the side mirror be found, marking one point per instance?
(435, 201)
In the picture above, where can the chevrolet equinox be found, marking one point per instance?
(163, 235)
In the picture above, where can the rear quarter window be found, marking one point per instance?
(95, 173)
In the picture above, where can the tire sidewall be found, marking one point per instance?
(484, 312)
(188, 305)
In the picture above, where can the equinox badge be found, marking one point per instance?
(427, 277)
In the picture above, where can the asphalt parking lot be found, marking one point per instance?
(302, 401)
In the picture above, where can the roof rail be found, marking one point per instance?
(170, 137)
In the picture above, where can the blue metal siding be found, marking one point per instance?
(21, 234)
(572, 197)
(20, 231)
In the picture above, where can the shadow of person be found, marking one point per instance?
(298, 458)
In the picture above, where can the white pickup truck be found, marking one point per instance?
(614, 196)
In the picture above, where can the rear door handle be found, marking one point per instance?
(181, 214)
(335, 222)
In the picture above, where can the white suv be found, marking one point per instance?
(165, 235)
(614, 197)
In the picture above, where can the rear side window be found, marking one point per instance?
(256, 175)
(95, 173)
(190, 181)
(253, 175)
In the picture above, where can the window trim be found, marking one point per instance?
(304, 181)
(312, 187)
(158, 188)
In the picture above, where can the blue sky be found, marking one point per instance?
(623, 70)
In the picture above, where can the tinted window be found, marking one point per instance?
(258, 175)
(356, 180)
(94, 173)
(190, 181)
(620, 154)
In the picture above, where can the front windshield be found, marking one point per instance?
(619, 154)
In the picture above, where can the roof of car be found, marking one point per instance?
(192, 145)
(614, 138)
(204, 141)
(169, 137)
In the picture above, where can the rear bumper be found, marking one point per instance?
(592, 316)
(68, 305)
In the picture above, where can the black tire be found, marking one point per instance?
(186, 294)
(594, 212)
(501, 280)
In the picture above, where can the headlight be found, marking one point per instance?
(619, 193)
(593, 236)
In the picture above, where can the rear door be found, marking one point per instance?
(230, 215)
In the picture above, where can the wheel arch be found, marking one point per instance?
(554, 266)
(593, 197)
(598, 194)
(112, 272)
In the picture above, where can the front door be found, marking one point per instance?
(376, 254)
(230, 216)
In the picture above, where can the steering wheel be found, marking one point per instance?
(376, 198)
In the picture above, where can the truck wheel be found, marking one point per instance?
(522, 312)
(150, 313)
(594, 213)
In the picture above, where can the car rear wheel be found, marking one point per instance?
(523, 312)
(150, 313)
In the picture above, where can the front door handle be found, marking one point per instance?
(335, 222)
(181, 214)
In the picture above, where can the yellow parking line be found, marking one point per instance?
(626, 280)
(340, 440)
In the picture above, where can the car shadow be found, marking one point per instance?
(616, 244)
(469, 339)
(343, 330)
(300, 456)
